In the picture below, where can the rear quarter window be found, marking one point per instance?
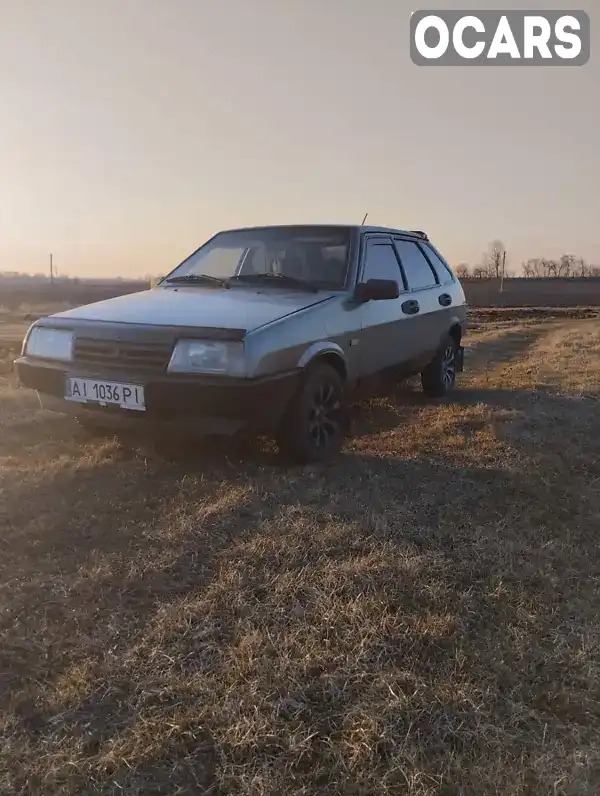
(444, 274)
(419, 274)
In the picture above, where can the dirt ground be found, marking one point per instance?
(419, 617)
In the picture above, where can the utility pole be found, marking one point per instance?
(503, 270)
(51, 271)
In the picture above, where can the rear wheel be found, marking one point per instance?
(316, 420)
(439, 377)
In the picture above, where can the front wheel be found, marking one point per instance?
(315, 422)
(439, 377)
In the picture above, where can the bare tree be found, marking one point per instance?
(566, 265)
(580, 267)
(495, 259)
(539, 267)
(462, 271)
(529, 268)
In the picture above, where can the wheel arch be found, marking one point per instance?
(456, 333)
(328, 353)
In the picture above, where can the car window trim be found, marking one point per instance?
(429, 245)
(436, 283)
(431, 265)
(383, 238)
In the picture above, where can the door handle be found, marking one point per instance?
(410, 307)
(445, 299)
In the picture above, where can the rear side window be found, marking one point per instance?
(381, 262)
(439, 266)
(417, 269)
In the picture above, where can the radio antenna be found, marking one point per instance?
(364, 219)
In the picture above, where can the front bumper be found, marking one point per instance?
(206, 405)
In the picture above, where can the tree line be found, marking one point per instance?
(494, 265)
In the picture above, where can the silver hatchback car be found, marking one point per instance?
(270, 329)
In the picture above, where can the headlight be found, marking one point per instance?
(49, 343)
(207, 356)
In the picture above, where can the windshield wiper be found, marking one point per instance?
(199, 278)
(289, 280)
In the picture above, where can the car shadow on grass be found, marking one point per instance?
(193, 591)
(503, 348)
(192, 594)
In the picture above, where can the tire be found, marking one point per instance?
(315, 423)
(439, 377)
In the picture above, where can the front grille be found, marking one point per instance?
(124, 355)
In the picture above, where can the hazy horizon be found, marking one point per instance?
(133, 131)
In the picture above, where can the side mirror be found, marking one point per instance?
(377, 290)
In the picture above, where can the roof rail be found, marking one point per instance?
(419, 233)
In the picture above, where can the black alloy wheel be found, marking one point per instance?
(315, 423)
(449, 367)
(439, 377)
(325, 415)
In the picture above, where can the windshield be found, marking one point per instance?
(315, 255)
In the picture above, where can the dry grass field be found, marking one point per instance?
(419, 617)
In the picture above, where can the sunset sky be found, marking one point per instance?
(132, 130)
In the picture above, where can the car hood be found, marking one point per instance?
(237, 308)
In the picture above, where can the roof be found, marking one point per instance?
(395, 231)
(361, 227)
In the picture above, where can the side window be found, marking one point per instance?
(439, 266)
(381, 263)
(417, 269)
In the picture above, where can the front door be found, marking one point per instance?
(387, 338)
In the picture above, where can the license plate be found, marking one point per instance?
(105, 393)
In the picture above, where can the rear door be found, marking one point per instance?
(430, 322)
(387, 332)
(452, 295)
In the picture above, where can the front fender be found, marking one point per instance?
(318, 349)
